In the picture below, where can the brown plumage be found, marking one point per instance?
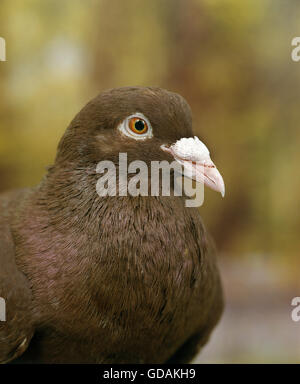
(91, 279)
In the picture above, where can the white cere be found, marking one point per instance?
(191, 149)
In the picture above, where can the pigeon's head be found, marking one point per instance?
(148, 124)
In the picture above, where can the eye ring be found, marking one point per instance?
(136, 126)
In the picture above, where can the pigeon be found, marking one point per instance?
(88, 276)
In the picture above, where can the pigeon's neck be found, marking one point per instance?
(70, 201)
(68, 197)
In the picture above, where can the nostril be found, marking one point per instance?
(166, 147)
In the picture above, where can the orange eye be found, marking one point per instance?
(138, 125)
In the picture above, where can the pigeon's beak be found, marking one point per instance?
(194, 156)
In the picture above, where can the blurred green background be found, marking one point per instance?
(231, 60)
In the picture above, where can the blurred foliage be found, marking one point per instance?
(230, 59)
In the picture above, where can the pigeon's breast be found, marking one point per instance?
(133, 287)
(153, 280)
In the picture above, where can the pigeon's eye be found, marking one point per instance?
(138, 125)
